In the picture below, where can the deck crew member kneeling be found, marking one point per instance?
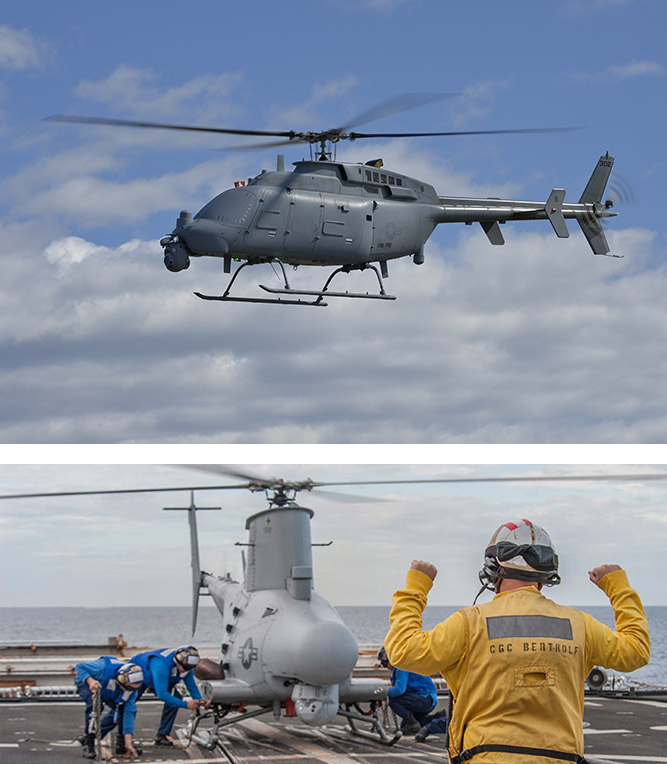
(516, 666)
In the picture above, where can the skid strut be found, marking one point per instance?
(287, 290)
(375, 723)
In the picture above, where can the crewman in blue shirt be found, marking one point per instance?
(411, 696)
(118, 683)
(163, 670)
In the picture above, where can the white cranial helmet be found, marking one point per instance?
(520, 550)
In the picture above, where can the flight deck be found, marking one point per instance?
(616, 730)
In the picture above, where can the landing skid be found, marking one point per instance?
(372, 719)
(210, 738)
(319, 295)
(362, 295)
(226, 298)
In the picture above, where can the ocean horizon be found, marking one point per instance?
(156, 626)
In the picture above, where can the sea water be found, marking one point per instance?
(171, 626)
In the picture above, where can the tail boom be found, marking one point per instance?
(491, 212)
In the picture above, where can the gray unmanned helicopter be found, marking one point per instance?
(348, 216)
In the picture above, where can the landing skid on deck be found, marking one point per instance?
(286, 289)
(210, 738)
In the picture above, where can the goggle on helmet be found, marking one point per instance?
(130, 673)
(523, 551)
(187, 657)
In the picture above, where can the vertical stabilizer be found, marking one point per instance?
(592, 229)
(598, 181)
(590, 224)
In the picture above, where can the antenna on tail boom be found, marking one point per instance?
(194, 552)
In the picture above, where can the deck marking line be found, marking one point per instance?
(616, 757)
(589, 731)
(653, 703)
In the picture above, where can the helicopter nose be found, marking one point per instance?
(205, 237)
(327, 653)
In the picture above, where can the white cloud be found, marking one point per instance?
(537, 341)
(476, 100)
(71, 249)
(306, 115)
(383, 6)
(627, 71)
(73, 186)
(20, 49)
(137, 92)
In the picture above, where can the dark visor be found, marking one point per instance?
(537, 556)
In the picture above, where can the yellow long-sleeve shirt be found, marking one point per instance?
(516, 665)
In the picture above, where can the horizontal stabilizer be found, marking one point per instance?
(593, 232)
(554, 210)
(598, 181)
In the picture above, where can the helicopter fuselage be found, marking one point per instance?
(281, 641)
(332, 213)
(323, 213)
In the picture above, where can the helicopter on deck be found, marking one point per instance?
(283, 644)
(351, 217)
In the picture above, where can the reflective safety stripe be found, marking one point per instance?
(503, 626)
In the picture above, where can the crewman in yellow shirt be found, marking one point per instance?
(516, 665)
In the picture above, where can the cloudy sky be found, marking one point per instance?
(106, 551)
(535, 342)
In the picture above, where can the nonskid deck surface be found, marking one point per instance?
(617, 731)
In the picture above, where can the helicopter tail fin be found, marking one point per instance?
(594, 232)
(590, 224)
(598, 180)
(194, 555)
(194, 561)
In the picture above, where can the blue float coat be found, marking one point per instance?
(105, 671)
(406, 681)
(161, 674)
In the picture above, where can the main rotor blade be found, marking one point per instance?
(506, 479)
(310, 484)
(263, 145)
(159, 125)
(223, 469)
(269, 483)
(354, 136)
(396, 105)
(123, 490)
(317, 484)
